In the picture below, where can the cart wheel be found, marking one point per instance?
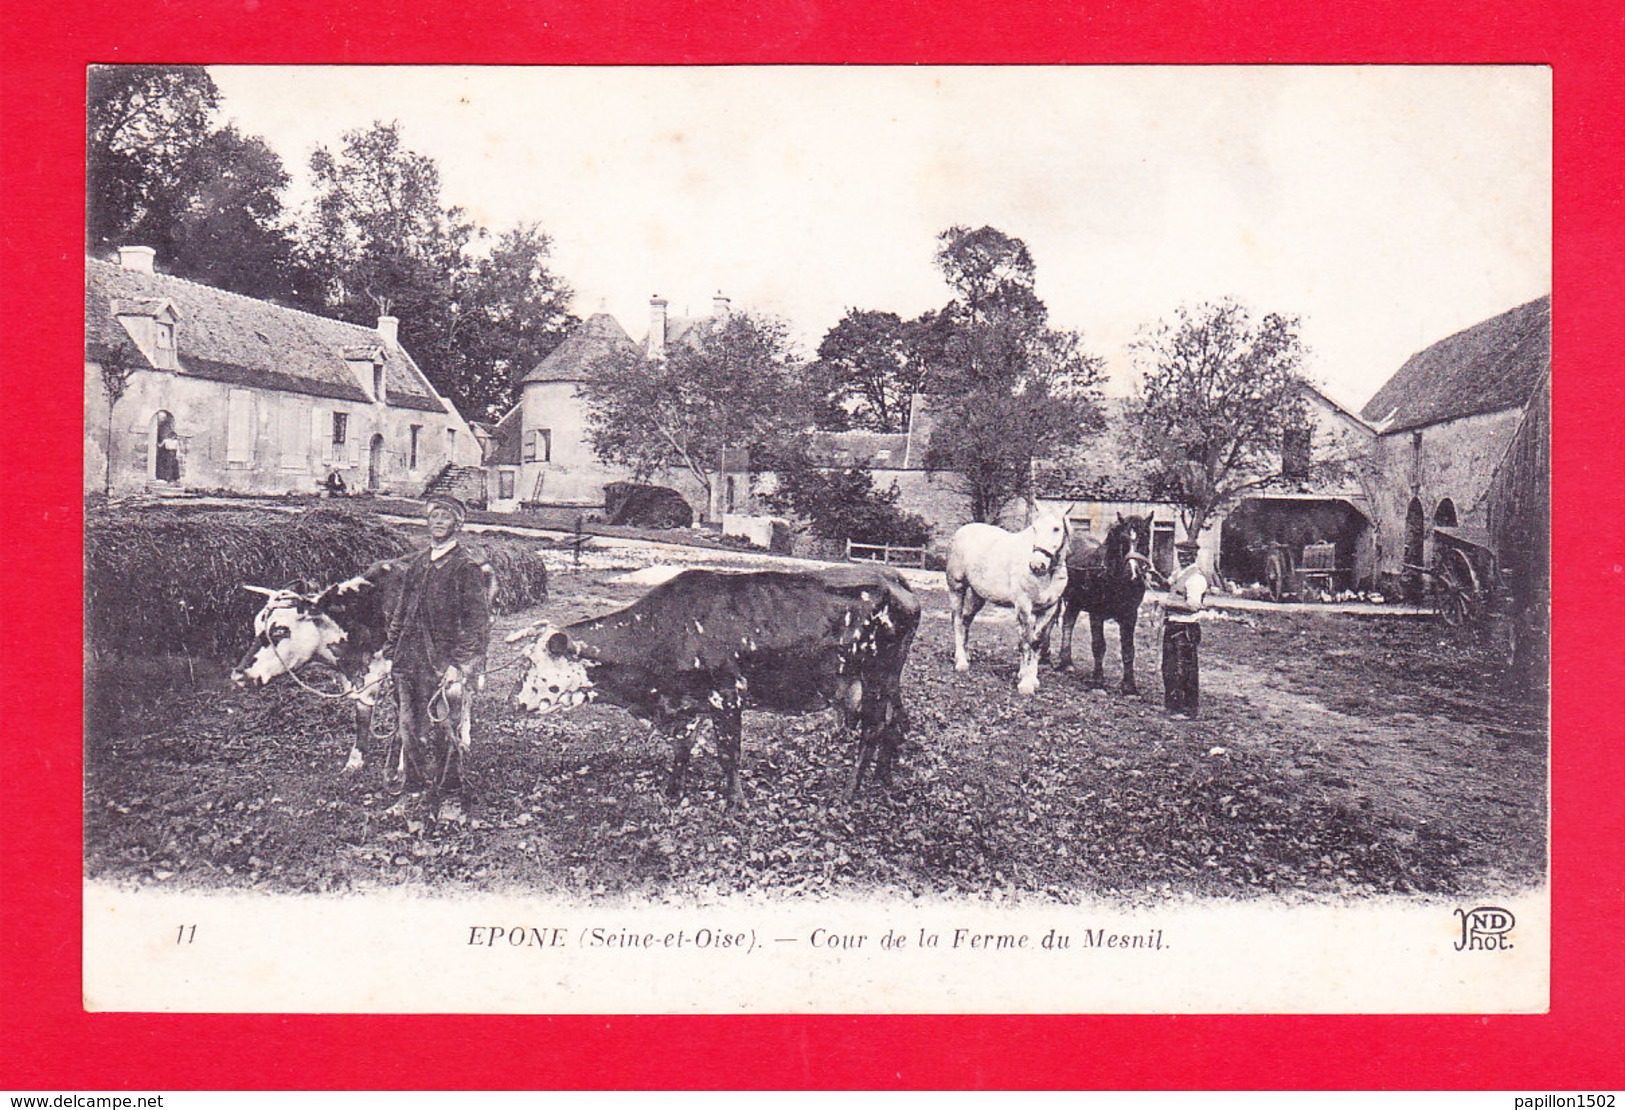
(1453, 606)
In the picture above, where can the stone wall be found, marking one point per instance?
(1454, 460)
(286, 446)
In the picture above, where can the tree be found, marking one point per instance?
(844, 505)
(162, 173)
(1007, 389)
(227, 230)
(989, 440)
(382, 243)
(118, 362)
(995, 314)
(867, 372)
(142, 126)
(378, 235)
(1219, 390)
(517, 311)
(736, 386)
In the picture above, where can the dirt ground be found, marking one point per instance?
(1335, 756)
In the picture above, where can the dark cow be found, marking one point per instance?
(705, 645)
(343, 627)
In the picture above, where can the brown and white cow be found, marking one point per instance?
(343, 626)
(705, 645)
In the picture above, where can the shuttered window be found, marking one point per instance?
(240, 427)
(293, 436)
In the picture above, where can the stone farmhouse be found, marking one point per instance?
(540, 453)
(227, 393)
(1432, 448)
(1446, 424)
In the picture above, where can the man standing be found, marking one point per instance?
(1181, 634)
(438, 634)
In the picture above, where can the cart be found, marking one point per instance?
(1287, 575)
(1463, 581)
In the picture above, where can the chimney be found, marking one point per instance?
(389, 330)
(138, 259)
(657, 326)
(719, 307)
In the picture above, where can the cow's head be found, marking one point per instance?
(288, 633)
(1051, 529)
(557, 676)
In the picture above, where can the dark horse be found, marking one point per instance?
(1108, 580)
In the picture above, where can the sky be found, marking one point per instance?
(1386, 207)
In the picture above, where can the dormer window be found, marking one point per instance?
(150, 323)
(367, 363)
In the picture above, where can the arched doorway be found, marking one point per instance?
(164, 449)
(375, 462)
(1445, 515)
(1415, 548)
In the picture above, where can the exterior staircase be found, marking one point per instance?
(466, 483)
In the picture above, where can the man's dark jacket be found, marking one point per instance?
(443, 616)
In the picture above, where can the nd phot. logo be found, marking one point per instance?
(1485, 929)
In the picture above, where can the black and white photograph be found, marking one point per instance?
(794, 539)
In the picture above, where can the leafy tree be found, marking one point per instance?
(517, 311)
(118, 362)
(1007, 389)
(844, 505)
(1218, 391)
(142, 126)
(737, 385)
(867, 371)
(161, 172)
(382, 243)
(378, 235)
(228, 231)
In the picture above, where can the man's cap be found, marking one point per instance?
(1188, 546)
(446, 501)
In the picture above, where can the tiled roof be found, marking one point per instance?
(227, 337)
(597, 337)
(1489, 367)
(882, 450)
(505, 438)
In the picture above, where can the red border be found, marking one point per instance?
(48, 1043)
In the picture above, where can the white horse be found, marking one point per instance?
(1026, 570)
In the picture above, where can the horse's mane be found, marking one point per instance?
(1109, 555)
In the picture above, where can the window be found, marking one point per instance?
(293, 435)
(1295, 440)
(341, 428)
(539, 445)
(505, 485)
(239, 427)
(1082, 524)
(377, 382)
(451, 444)
(414, 435)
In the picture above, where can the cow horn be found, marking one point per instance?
(520, 634)
(265, 590)
(1142, 558)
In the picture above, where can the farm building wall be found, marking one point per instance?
(560, 466)
(254, 440)
(1454, 461)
